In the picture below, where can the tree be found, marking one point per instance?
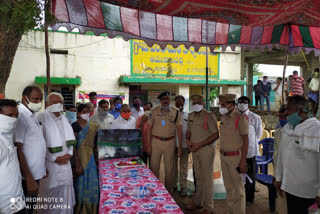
(16, 18)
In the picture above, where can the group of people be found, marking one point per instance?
(294, 86)
(56, 157)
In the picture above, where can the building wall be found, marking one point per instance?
(98, 61)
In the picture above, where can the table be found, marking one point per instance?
(114, 202)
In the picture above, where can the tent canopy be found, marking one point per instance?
(249, 24)
(237, 12)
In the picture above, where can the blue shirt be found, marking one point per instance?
(115, 113)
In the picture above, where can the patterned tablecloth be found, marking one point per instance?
(115, 202)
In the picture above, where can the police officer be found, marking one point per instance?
(201, 133)
(234, 140)
(163, 122)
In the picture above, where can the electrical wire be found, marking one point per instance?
(81, 46)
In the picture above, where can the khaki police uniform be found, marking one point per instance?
(232, 127)
(164, 141)
(202, 125)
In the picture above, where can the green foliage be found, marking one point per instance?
(214, 93)
(256, 71)
(20, 16)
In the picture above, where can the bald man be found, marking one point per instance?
(60, 140)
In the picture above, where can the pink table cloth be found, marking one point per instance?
(114, 202)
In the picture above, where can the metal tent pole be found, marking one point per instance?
(283, 76)
(207, 81)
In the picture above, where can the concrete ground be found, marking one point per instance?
(260, 205)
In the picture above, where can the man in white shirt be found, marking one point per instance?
(183, 160)
(137, 109)
(255, 132)
(11, 193)
(125, 121)
(314, 92)
(31, 146)
(298, 163)
(278, 93)
(60, 140)
(102, 117)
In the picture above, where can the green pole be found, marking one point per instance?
(207, 81)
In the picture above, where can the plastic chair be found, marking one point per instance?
(265, 134)
(267, 154)
(264, 178)
(272, 133)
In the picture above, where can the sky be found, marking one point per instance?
(277, 70)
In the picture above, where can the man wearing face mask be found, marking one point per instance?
(298, 163)
(143, 126)
(314, 92)
(137, 109)
(71, 114)
(117, 106)
(163, 123)
(234, 140)
(297, 84)
(265, 89)
(255, 133)
(60, 140)
(31, 145)
(93, 100)
(202, 132)
(102, 117)
(125, 121)
(281, 202)
(11, 193)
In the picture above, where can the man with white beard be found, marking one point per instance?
(60, 140)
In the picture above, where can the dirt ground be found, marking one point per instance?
(260, 205)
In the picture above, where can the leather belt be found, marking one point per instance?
(164, 138)
(234, 153)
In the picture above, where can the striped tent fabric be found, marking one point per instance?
(101, 17)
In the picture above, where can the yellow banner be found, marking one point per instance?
(172, 61)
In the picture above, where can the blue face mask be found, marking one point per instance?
(136, 105)
(283, 122)
(71, 116)
(117, 106)
(294, 119)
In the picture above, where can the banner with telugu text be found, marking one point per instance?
(153, 61)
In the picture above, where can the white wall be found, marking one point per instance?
(230, 65)
(98, 61)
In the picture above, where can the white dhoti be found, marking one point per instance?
(56, 192)
(60, 199)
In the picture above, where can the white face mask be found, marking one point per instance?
(55, 108)
(35, 107)
(196, 108)
(85, 116)
(223, 110)
(7, 124)
(243, 107)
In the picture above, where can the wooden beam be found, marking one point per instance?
(263, 57)
(279, 62)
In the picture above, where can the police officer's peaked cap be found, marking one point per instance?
(197, 97)
(162, 94)
(223, 98)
